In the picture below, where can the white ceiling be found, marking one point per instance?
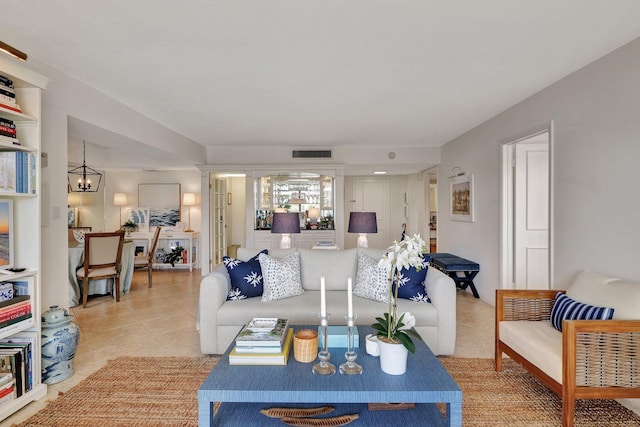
(309, 73)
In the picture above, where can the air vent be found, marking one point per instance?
(311, 154)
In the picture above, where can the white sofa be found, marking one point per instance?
(589, 359)
(220, 320)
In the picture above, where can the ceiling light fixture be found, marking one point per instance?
(80, 178)
(379, 172)
(12, 51)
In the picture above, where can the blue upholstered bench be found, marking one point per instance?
(451, 265)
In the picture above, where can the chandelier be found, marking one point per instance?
(84, 179)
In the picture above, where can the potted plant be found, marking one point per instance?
(174, 256)
(130, 226)
(395, 332)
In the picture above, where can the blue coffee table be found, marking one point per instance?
(244, 390)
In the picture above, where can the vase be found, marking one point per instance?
(59, 343)
(393, 358)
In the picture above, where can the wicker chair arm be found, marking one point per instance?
(602, 353)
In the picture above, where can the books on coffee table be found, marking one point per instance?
(263, 332)
(280, 358)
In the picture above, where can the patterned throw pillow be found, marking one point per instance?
(565, 307)
(412, 282)
(281, 277)
(246, 277)
(371, 280)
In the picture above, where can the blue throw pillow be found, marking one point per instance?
(565, 307)
(412, 283)
(246, 277)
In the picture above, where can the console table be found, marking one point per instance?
(244, 390)
(166, 241)
(451, 265)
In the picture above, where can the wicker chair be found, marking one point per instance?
(600, 358)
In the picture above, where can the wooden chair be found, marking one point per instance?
(102, 254)
(147, 261)
(70, 232)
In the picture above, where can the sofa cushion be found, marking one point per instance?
(281, 276)
(371, 280)
(412, 283)
(567, 308)
(597, 289)
(536, 341)
(335, 266)
(246, 277)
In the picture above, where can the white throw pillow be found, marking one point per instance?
(281, 277)
(371, 281)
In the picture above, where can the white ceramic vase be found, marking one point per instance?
(393, 358)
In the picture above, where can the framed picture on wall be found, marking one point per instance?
(461, 197)
(163, 201)
(139, 216)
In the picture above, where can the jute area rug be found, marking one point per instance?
(162, 391)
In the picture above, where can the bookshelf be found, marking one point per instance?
(28, 86)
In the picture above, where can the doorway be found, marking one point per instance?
(526, 211)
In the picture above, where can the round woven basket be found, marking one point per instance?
(305, 345)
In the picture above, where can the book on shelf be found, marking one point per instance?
(11, 361)
(7, 123)
(17, 172)
(9, 140)
(15, 310)
(263, 332)
(14, 107)
(16, 320)
(26, 342)
(269, 359)
(6, 81)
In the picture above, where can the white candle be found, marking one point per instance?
(323, 298)
(349, 299)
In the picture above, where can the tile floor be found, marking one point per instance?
(161, 322)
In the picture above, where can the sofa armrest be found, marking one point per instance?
(442, 293)
(214, 289)
(601, 353)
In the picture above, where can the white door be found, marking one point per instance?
(531, 214)
(218, 220)
(375, 196)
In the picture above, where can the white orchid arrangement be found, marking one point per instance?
(395, 328)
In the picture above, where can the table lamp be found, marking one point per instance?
(120, 200)
(363, 223)
(314, 215)
(189, 199)
(285, 223)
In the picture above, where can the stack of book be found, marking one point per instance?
(15, 310)
(8, 95)
(8, 132)
(7, 387)
(263, 341)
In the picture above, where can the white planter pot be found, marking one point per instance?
(393, 358)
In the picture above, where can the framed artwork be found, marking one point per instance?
(461, 196)
(72, 217)
(163, 201)
(139, 216)
(141, 247)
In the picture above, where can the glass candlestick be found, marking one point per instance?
(323, 367)
(350, 367)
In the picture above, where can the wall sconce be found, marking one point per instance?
(120, 200)
(363, 223)
(285, 223)
(189, 199)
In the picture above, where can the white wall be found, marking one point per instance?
(596, 122)
(127, 182)
(67, 97)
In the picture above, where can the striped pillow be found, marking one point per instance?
(570, 309)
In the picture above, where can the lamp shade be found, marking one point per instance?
(285, 222)
(363, 222)
(189, 199)
(119, 199)
(314, 213)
